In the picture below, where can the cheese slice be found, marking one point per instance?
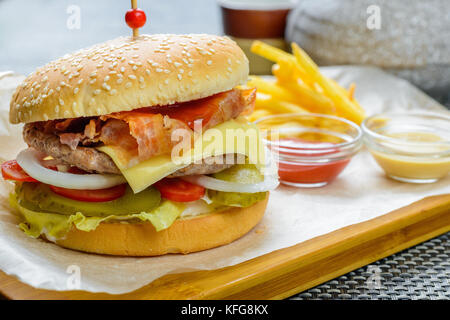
(231, 137)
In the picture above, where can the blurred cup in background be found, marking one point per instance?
(247, 20)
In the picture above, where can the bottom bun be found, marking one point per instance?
(183, 236)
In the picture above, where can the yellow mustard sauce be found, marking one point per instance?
(413, 161)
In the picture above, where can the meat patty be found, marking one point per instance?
(92, 160)
(86, 158)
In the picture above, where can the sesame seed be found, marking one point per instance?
(209, 62)
(166, 81)
(181, 71)
(119, 81)
(92, 81)
(56, 108)
(132, 76)
(96, 91)
(135, 68)
(122, 69)
(128, 85)
(177, 64)
(159, 70)
(106, 78)
(75, 91)
(179, 76)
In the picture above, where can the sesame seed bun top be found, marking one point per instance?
(129, 73)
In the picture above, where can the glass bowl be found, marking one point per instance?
(311, 149)
(410, 147)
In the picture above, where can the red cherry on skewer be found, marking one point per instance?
(135, 18)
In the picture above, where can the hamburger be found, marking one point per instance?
(140, 147)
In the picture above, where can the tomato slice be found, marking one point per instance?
(100, 195)
(11, 170)
(179, 190)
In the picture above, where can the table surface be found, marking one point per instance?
(41, 34)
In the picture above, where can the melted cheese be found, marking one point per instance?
(231, 137)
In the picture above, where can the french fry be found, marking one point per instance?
(300, 87)
(267, 102)
(282, 74)
(259, 113)
(285, 60)
(311, 100)
(271, 88)
(344, 106)
(351, 90)
(296, 93)
(288, 71)
(305, 96)
(269, 52)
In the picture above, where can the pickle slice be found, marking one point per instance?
(39, 196)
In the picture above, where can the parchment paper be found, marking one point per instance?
(293, 215)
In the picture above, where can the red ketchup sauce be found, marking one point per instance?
(296, 171)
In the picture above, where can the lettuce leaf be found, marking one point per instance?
(55, 226)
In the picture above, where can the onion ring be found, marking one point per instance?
(29, 160)
(270, 182)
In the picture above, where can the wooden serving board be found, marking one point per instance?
(284, 272)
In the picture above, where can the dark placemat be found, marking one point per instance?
(420, 272)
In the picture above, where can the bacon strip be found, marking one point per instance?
(151, 132)
(147, 132)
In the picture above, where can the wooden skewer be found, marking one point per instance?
(134, 6)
